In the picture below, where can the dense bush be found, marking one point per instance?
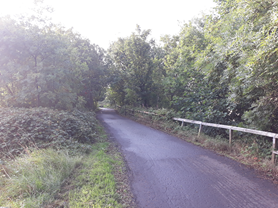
(21, 128)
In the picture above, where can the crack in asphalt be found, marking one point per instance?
(168, 172)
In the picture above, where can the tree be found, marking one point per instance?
(242, 54)
(134, 61)
(42, 64)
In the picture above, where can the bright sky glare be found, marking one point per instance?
(103, 21)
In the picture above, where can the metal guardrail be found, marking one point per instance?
(274, 136)
(230, 128)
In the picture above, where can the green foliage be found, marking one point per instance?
(43, 64)
(222, 67)
(243, 41)
(42, 127)
(134, 61)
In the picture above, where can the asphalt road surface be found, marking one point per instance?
(168, 172)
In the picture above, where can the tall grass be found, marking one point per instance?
(33, 179)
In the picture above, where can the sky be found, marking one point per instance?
(104, 21)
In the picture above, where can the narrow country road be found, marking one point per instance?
(168, 172)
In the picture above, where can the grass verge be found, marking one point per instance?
(95, 185)
(49, 178)
(79, 175)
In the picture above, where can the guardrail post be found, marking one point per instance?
(273, 149)
(230, 137)
(182, 124)
(200, 129)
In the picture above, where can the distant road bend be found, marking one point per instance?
(168, 172)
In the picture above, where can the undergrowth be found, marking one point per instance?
(44, 127)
